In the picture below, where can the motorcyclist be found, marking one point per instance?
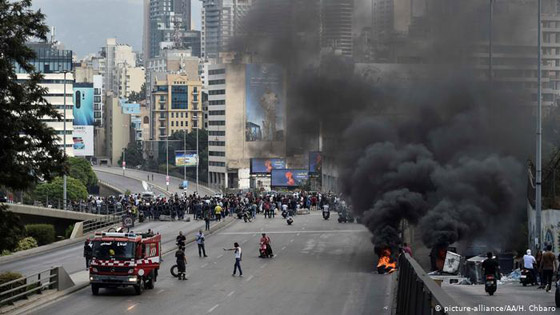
(266, 241)
(529, 264)
(491, 265)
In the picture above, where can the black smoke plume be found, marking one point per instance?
(432, 144)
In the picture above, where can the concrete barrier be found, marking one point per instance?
(52, 213)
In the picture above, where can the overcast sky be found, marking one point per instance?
(84, 25)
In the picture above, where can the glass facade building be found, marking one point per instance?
(49, 59)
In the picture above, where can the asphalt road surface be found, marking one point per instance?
(159, 180)
(320, 267)
(124, 183)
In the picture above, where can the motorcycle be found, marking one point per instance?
(246, 216)
(265, 251)
(557, 294)
(289, 220)
(490, 284)
(526, 277)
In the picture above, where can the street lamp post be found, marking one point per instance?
(538, 180)
(124, 161)
(167, 163)
(490, 35)
(64, 190)
(197, 154)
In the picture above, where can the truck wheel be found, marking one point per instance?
(139, 287)
(149, 282)
(95, 289)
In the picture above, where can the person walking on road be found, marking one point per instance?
(88, 252)
(266, 241)
(207, 221)
(200, 243)
(548, 265)
(238, 258)
(181, 239)
(529, 263)
(181, 263)
(218, 212)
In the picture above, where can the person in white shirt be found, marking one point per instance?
(238, 258)
(529, 262)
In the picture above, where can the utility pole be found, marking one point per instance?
(197, 154)
(167, 163)
(184, 152)
(490, 35)
(124, 161)
(538, 181)
(64, 190)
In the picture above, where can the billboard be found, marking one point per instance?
(83, 106)
(266, 103)
(130, 108)
(288, 178)
(188, 158)
(265, 166)
(315, 162)
(82, 137)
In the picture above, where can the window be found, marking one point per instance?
(216, 153)
(181, 123)
(216, 112)
(216, 133)
(218, 102)
(146, 120)
(97, 99)
(179, 98)
(217, 123)
(216, 82)
(172, 124)
(172, 115)
(217, 71)
(212, 163)
(161, 88)
(217, 92)
(217, 143)
(97, 91)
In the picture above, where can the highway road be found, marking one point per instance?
(159, 180)
(320, 267)
(125, 183)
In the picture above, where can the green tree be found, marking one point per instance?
(81, 170)
(138, 96)
(53, 190)
(29, 150)
(134, 155)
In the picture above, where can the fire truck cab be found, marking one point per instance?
(124, 259)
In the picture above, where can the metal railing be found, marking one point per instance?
(25, 286)
(417, 293)
(96, 224)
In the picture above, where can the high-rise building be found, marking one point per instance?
(164, 21)
(221, 20)
(246, 119)
(52, 60)
(177, 104)
(336, 26)
(117, 129)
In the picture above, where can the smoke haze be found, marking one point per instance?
(439, 149)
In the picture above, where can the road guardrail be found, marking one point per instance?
(417, 293)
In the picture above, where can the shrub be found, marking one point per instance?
(10, 276)
(5, 252)
(68, 231)
(26, 243)
(43, 233)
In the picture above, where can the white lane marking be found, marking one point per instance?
(230, 294)
(206, 264)
(297, 234)
(264, 265)
(291, 240)
(160, 291)
(250, 277)
(292, 232)
(283, 247)
(131, 307)
(220, 256)
(213, 308)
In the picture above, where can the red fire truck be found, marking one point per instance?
(124, 259)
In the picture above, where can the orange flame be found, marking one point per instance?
(385, 264)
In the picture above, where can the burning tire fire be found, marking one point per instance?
(385, 263)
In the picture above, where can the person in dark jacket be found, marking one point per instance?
(181, 263)
(88, 252)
